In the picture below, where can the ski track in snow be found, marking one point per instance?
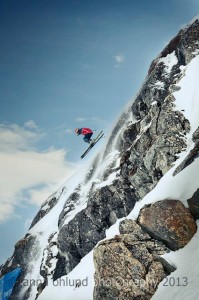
(181, 187)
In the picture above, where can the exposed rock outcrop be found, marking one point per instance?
(129, 266)
(168, 221)
(80, 235)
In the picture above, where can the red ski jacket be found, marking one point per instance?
(86, 131)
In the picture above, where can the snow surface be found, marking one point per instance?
(169, 61)
(159, 85)
(181, 187)
(187, 98)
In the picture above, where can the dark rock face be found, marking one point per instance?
(183, 45)
(168, 221)
(196, 135)
(160, 129)
(69, 206)
(157, 146)
(193, 203)
(129, 266)
(80, 235)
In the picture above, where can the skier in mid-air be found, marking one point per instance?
(87, 132)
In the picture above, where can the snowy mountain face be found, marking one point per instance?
(151, 156)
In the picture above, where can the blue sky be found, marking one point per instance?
(67, 64)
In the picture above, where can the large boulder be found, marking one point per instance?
(128, 266)
(168, 221)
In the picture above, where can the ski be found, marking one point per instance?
(94, 141)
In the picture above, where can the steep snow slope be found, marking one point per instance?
(183, 283)
(49, 225)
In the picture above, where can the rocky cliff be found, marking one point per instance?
(144, 145)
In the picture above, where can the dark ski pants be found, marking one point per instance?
(87, 137)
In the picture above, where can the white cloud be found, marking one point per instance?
(13, 137)
(69, 131)
(88, 119)
(119, 59)
(30, 124)
(25, 168)
(97, 119)
(80, 119)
